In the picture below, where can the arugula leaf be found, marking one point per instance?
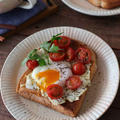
(45, 45)
(56, 37)
(34, 57)
(34, 51)
(49, 47)
(44, 56)
(47, 58)
(54, 49)
(41, 62)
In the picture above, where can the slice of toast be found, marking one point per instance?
(107, 4)
(68, 108)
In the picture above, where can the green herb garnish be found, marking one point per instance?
(56, 37)
(41, 61)
(48, 47)
(54, 49)
(45, 46)
(34, 56)
(32, 53)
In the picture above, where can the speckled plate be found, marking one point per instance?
(83, 6)
(100, 94)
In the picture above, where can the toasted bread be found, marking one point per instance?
(107, 4)
(68, 108)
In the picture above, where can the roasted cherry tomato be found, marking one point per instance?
(70, 54)
(31, 64)
(83, 55)
(62, 43)
(54, 91)
(73, 82)
(57, 56)
(78, 68)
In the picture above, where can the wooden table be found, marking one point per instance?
(107, 28)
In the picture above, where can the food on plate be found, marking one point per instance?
(59, 74)
(107, 4)
(70, 54)
(78, 68)
(63, 43)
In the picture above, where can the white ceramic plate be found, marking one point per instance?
(83, 6)
(100, 94)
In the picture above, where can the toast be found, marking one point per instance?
(107, 4)
(67, 108)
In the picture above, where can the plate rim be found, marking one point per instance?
(90, 12)
(69, 27)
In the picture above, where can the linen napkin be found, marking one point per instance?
(18, 15)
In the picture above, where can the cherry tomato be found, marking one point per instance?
(31, 64)
(54, 91)
(57, 56)
(78, 68)
(70, 54)
(73, 82)
(83, 55)
(62, 43)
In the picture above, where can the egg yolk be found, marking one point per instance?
(47, 78)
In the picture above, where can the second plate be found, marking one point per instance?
(83, 6)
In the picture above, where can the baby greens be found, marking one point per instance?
(48, 47)
(34, 56)
(56, 37)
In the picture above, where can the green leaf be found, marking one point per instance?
(45, 45)
(25, 60)
(54, 49)
(34, 57)
(41, 62)
(32, 53)
(48, 46)
(56, 37)
(44, 55)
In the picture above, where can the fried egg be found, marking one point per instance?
(43, 76)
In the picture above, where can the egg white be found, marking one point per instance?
(63, 68)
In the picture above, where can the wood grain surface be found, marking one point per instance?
(108, 28)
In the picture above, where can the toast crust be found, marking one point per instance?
(107, 4)
(68, 108)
